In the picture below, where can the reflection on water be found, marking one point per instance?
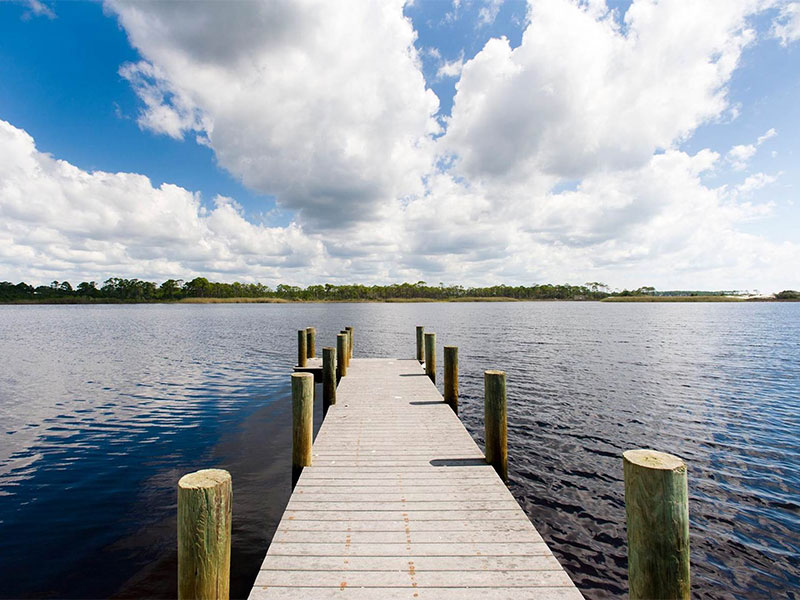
(103, 408)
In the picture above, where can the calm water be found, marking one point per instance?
(103, 408)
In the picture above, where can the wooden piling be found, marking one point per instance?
(205, 501)
(451, 377)
(328, 379)
(657, 515)
(311, 342)
(302, 422)
(430, 356)
(346, 347)
(495, 421)
(302, 352)
(350, 344)
(420, 344)
(341, 355)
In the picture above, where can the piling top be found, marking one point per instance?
(493, 372)
(302, 374)
(653, 459)
(205, 478)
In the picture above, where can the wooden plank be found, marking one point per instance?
(400, 563)
(312, 514)
(399, 502)
(414, 593)
(410, 575)
(404, 549)
(348, 536)
(472, 495)
(494, 526)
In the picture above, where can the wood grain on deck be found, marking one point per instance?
(400, 503)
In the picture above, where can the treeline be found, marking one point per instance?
(117, 289)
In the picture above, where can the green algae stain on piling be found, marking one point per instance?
(311, 342)
(350, 332)
(657, 515)
(302, 422)
(430, 356)
(451, 377)
(341, 355)
(302, 349)
(205, 502)
(328, 379)
(346, 355)
(495, 421)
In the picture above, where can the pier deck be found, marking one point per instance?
(400, 503)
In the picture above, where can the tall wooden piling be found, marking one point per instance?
(495, 421)
(302, 351)
(657, 514)
(420, 344)
(430, 356)
(205, 501)
(302, 422)
(341, 355)
(311, 342)
(350, 344)
(451, 377)
(328, 379)
(346, 347)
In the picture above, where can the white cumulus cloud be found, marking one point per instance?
(321, 104)
(739, 155)
(58, 221)
(581, 94)
(562, 160)
(787, 25)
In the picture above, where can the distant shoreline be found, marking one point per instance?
(270, 300)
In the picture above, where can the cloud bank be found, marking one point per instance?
(562, 158)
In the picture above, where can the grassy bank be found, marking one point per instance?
(266, 300)
(673, 299)
(351, 300)
(262, 300)
(271, 300)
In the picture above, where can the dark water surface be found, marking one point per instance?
(103, 408)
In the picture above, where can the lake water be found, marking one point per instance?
(103, 408)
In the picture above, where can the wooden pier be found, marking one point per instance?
(399, 502)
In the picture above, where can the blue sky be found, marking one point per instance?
(307, 145)
(79, 109)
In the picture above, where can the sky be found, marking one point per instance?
(471, 142)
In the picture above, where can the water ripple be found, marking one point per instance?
(103, 408)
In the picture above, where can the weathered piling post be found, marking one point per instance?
(430, 356)
(451, 377)
(341, 355)
(495, 421)
(302, 352)
(420, 344)
(311, 342)
(205, 501)
(346, 347)
(328, 379)
(349, 331)
(657, 515)
(302, 422)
